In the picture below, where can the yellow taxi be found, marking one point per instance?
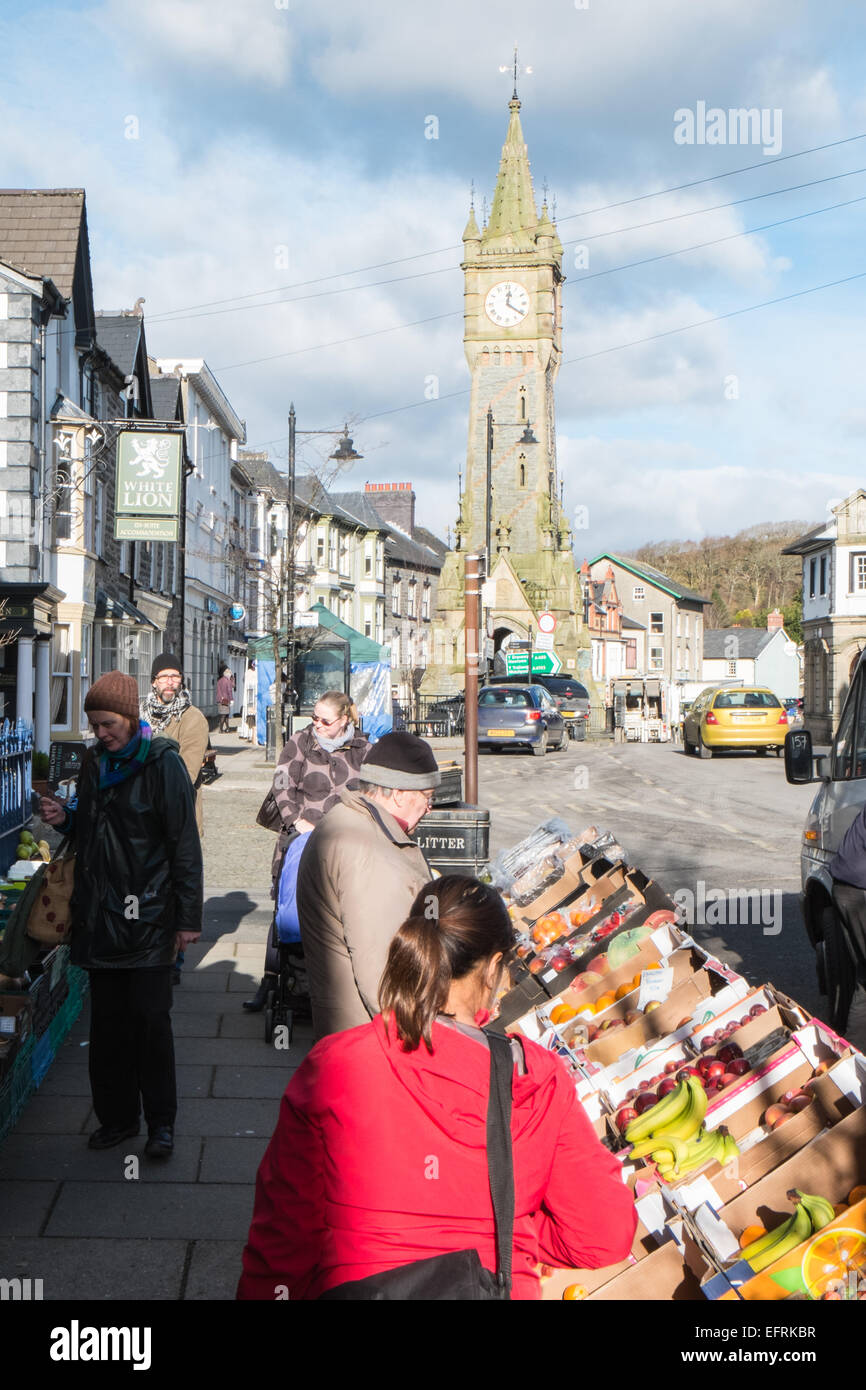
(741, 717)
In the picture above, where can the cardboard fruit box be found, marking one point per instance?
(671, 1273)
(830, 1166)
(600, 876)
(554, 1283)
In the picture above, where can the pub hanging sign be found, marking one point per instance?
(147, 488)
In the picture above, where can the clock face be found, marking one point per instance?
(507, 304)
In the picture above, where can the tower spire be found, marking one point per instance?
(513, 217)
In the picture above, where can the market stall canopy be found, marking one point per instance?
(361, 648)
(653, 690)
(620, 688)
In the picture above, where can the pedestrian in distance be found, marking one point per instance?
(316, 764)
(357, 879)
(379, 1156)
(169, 711)
(225, 694)
(136, 900)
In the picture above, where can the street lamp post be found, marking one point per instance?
(344, 453)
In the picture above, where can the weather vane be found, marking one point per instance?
(503, 67)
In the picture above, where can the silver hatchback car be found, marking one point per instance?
(519, 715)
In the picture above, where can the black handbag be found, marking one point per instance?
(269, 817)
(461, 1275)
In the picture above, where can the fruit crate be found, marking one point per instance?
(16, 1088)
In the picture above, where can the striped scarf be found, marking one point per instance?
(158, 714)
(116, 767)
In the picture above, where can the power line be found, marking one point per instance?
(650, 338)
(611, 270)
(569, 217)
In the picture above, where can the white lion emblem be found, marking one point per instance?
(152, 456)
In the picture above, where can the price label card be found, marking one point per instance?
(654, 985)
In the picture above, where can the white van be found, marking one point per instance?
(840, 797)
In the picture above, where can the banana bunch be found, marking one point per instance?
(810, 1215)
(672, 1133)
(678, 1115)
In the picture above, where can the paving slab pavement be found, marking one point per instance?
(81, 1220)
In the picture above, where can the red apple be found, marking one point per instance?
(653, 1004)
(599, 964)
(800, 1102)
(690, 1071)
(756, 1010)
(719, 1034)
(739, 1066)
(630, 1095)
(633, 1015)
(670, 1068)
(585, 980)
(707, 1042)
(782, 1119)
(729, 1052)
(670, 1083)
(645, 1101)
(704, 1064)
(644, 1086)
(624, 1117)
(729, 1078)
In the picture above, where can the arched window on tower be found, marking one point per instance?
(529, 357)
(508, 357)
(485, 358)
(523, 402)
(521, 471)
(496, 357)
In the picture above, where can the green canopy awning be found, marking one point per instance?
(361, 648)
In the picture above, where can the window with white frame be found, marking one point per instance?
(368, 622)
(368, 559)
(396, 596)
(638, 593)
(395, 649)
(61, 676)
(411, 588)
(320, 547)
(332, 548)
(425, 600)
(679, 624)
(813, 570)
(657, 622)
(858, 572)
(732, 668)
(124, 559)
(64, 493)
(657, 658)
(380, 559)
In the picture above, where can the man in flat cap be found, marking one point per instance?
(358, 877)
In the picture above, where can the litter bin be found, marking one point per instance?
(578, 729)
(455, 839)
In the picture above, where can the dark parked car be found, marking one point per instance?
(527, 715)
(571, 697)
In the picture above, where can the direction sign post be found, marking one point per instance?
(545, 664)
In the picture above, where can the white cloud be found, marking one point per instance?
(248, 42)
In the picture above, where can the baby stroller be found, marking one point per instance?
(289, 996)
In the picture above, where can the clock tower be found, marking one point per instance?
(510, 504)
(513, 343)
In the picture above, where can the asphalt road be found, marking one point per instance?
(732, 824)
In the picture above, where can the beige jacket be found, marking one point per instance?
(190, 733)
(357, 880)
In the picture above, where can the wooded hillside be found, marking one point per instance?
(745, 575)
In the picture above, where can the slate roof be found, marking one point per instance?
(164, 392)
(425, 537)
(653, 576)
(750, 642)
(119, 336)
(357, 506)
(631, 622)
(813, 540)
(40, 232)
(262, 472)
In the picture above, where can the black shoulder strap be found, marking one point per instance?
(500, 1162)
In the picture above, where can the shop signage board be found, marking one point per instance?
(147, 486)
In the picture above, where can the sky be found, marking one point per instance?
(262, 173)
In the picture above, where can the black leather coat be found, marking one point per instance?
(138, 866)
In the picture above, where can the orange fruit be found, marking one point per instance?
(624, 990)
(635, 984)
(751, 1233)
(856, 1195)
(604, 1001)
(562, 1013)
(574, 1291)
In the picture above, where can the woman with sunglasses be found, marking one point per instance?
(313, 768)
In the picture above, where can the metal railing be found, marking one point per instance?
(430, 717)
(16, 771)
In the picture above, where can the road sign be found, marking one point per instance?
(544, 642)
(545, 664)
(546, 622)
(516, 663)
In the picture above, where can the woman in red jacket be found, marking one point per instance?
(379, 1155)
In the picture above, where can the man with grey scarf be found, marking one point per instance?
(170, 712)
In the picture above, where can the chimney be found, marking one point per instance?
(775, 621)
(395, 503)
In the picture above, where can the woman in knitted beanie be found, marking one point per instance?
(137, 899)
